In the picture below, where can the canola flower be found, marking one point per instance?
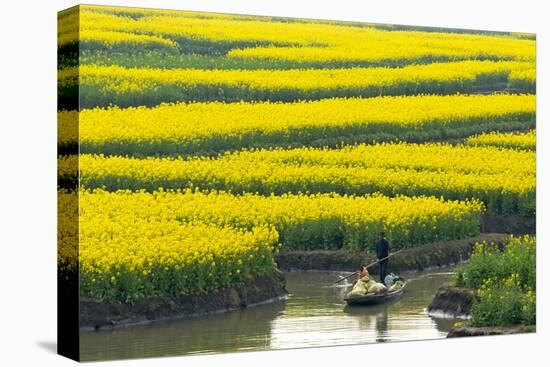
(124, 257)
(162, 60)
(104, 85)
(108, 40)
(504, 301)
(306, 222)
(257, 37)
(489, 262)
(68, 21)
(389, 49)
(503, 179)
(148, 258)
(139, 244)
(145, 241)
(68, 129)
(67, 229)
(527, 141)
(203, 127)
(131, 13)
(523, 80)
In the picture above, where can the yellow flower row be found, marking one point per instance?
(138, 244)
(124, 256)
(327, 40)
(391, 48)
(202, 127)
(319, 221)
(523, 80)
(503, 179)
(103, 85)
(109, 40)
(526, 140)
(67, 229)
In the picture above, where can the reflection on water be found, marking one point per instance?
(314, 315)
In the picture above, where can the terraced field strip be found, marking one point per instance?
(184, 129)
(139, 244)
(125, 257)
(317, 221)
(503, 179)
(294, 40)
(101, 86)
(517, 140)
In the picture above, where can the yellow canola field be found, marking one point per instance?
(104, 85)
(506, 140)
(190, 128)
(110, 40)
(503, 179)
(144, 78)
(67, 229)
(389, 49)
(124, 256)
(436, 157)
(527, 75)
(162, 226)
(327, 40)
(523, 80)
(139, 244)
(320, 221)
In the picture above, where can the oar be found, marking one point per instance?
(368, 266)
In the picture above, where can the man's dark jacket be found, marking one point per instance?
(382, 249)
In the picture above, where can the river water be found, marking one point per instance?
(313, 315)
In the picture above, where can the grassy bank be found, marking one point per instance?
(505, 279)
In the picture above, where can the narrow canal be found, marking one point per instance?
(313, 315)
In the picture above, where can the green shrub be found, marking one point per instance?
(488, 260)
(503, 302)
(506, 281)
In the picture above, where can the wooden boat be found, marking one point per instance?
(377, 298)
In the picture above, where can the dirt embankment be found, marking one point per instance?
(95, 314)
(511, 224)
(451, 301)
(418, 258)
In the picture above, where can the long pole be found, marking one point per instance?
(368, 266)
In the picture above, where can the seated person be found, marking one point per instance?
(364, 272)
(365, 284)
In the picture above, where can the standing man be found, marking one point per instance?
(382, 251)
